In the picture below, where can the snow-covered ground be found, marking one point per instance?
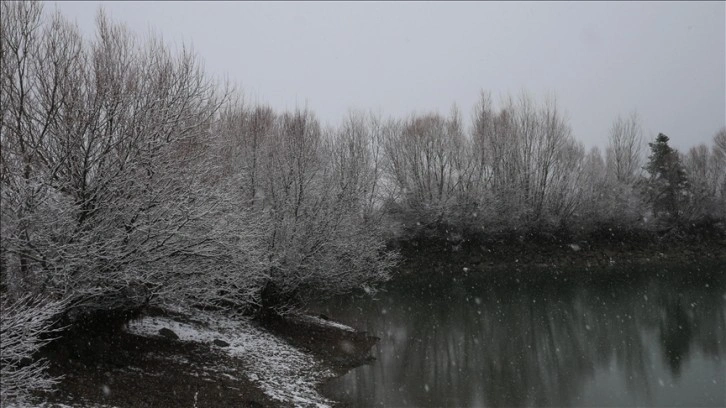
(283, 372)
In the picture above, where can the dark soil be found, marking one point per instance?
(113, 367)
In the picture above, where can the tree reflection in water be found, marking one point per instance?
(564, 340)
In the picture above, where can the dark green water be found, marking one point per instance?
(641, 337)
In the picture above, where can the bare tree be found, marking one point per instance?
(593, 188)
(425, 157)
(528, 157)
(244, 133)
(706, 172)
(719, 140)
(719, 164)
(614, 199)
(318, 191)
(625, 150)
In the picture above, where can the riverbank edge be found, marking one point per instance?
(449, 252)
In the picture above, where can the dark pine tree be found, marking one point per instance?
(667, 185)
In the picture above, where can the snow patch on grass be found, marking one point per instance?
(283, 372)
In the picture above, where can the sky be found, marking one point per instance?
(665, 60)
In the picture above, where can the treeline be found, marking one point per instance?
(131, 178)
(520, 169)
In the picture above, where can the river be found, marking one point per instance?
(637, 336)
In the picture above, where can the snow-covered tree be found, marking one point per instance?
(316, 190)
(625, 145)
(108, 178)
(705, 169)
(529, 159)
(25, 326)
(426, 160)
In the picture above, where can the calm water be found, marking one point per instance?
(646, 337)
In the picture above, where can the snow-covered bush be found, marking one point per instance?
(110, 192)
(25, 326)
(316, 191)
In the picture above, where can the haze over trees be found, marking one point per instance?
(130, 178)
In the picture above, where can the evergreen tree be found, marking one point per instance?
(667, 185)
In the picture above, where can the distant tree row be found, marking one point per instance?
(130, 178)
(519, 169)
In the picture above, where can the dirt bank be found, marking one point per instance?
(197, 359)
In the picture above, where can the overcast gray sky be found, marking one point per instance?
(667, 60)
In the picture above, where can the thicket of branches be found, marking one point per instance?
(24, 328)
(129, 177)
(315, 189)
(109, 193)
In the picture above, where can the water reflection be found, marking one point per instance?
(645, 338)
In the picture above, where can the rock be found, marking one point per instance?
(220, 343)
(164, 332)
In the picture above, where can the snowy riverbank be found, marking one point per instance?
(184, 357)
(284, 373)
